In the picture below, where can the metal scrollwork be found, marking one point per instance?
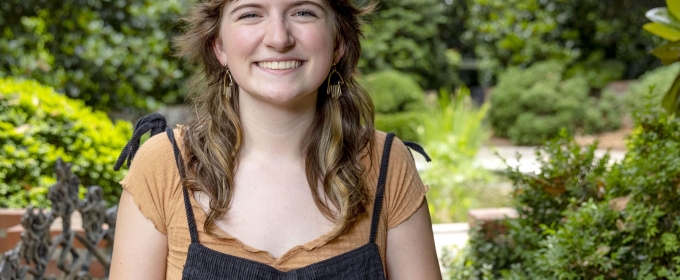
(36, 248)
(11, 267)
(36, 240)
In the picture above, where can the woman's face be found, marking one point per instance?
(278, 50)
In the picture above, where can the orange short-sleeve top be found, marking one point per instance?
(154, 183)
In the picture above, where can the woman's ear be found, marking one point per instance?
(220, 54)
(339, 51)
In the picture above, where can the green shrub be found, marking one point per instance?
(568, 175)
(38, 125)
(604, 114)
(533, 105)
(597, 70)
(457, 121)
(658, 80)
(396, 96)
(403, 124)
(582, 33)
(635, 231)
(114, 55)
(592, 221)
(452, 133)
(394, 92)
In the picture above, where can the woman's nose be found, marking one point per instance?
(278, 35)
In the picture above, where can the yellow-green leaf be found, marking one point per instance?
(662, 15)
(662, 31)
(674, 7)
(671, 101)
(668, 53)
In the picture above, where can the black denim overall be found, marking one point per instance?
(207, 264)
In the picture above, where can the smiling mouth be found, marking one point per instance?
(280, 65)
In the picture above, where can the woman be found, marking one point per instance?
(277, 174)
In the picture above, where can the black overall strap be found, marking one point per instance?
(187, 204)
(154, 123)
(382, 178)
(414, 146)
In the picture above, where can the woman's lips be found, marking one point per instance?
(280, 65)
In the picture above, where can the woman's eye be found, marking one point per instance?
(305, 14)
(248, 15)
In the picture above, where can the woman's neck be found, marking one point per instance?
(275, 132)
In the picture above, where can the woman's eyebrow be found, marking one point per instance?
(248, 5)
(293, 4)
(307, 2)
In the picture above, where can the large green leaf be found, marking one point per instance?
(663, 31)
(662, 15)
(671, 101)
(674, 7)
(668, 53)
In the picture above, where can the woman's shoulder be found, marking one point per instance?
(154, 166)
(404, 190)
(398, 150)
(153, 180)
(157, 151)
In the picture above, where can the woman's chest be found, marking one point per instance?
(298, 257)
(258, 237)
(272, 215)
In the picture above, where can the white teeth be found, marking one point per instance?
(280, 65)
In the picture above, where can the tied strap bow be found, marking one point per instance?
(155, 123)
(414, 146)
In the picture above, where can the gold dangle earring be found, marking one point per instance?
(335, 90)
(227, 89)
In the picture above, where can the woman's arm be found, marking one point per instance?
(410, 248)
(139, 249)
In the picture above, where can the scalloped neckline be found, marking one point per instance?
(223, 234)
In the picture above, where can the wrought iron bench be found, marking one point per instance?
(31, 256)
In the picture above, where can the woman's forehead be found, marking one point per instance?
(323, 3)
(277, 1)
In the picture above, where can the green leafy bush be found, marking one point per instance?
(533, 105)
(394, 92)
(597, 70)
(452, 133)
(635, 231)
(38, 125)
(455, 121)
(658, 80)
(591, 221)
(403, 124)
(396, 96)
(603, 114)
(114, 55)
(568, 175)
(405, 35)
(581, 32)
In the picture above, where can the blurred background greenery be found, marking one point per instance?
(116, 55)
(546, 63)
(454, 75)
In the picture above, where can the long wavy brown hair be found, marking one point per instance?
(342, 129)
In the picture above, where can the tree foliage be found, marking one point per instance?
(113, 54)
(584, 33)
(404, 35)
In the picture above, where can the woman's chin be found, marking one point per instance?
(284, 97)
